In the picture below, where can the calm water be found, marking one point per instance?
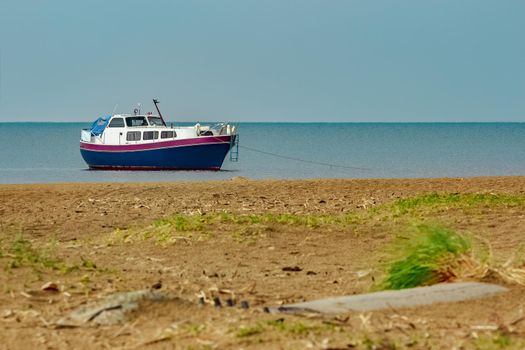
(49, 152)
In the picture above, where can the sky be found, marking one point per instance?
(271, 60)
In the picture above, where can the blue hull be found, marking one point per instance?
(193, 157)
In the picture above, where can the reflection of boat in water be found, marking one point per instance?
(144, 142)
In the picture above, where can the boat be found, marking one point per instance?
(144, 142)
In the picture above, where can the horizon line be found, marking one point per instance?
(291, 122)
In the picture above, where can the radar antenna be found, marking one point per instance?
(155, 102)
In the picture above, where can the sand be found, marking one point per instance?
(264, 264)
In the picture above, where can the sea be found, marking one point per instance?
(49, 152)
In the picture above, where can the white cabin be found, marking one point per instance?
(123, 129)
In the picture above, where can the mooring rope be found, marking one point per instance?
(331, 165)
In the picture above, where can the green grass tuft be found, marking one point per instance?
(294, 328)
(241, 226)
(21, 252)
(248, 331)
(499, 340)
(297, 328)
(455, 200)
(182, 223)
(426, 257)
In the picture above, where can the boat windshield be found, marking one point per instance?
(136, 121)
(155, 121)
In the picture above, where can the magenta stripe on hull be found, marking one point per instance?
(113, 167)
(203, 140)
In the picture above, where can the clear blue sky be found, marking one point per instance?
(253, 60)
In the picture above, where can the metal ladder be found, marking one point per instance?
(234, 148)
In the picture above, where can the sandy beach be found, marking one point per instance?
(93, 240)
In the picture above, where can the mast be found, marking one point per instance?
(158, 111)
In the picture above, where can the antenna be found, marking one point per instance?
(114, 109)
(155, 102)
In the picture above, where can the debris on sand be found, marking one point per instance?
(439, 293)
(292, 268)
(112, 309)
(50, 287)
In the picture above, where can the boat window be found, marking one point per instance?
(150, 135)
(133, 136)
(116, 123)
(136, 121)
(168, 134)
(155, 121)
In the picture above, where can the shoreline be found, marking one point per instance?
(255, 180)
